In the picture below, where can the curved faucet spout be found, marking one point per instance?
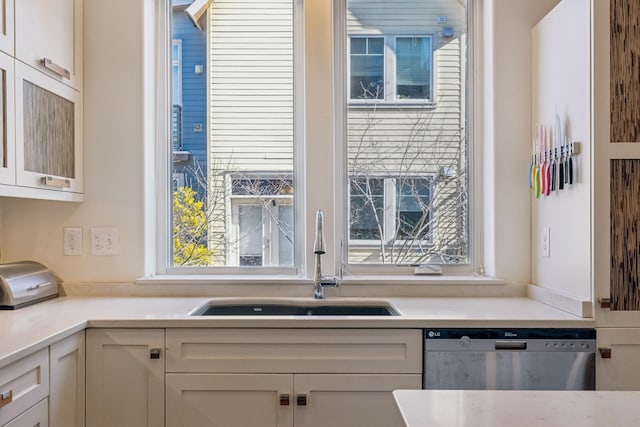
(319, 249)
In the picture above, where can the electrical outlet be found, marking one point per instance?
(72, 241)
(545, 242)
(104, 241)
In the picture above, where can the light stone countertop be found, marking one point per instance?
(508, 408)
(31, 328)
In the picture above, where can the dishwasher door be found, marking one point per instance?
(509, 359)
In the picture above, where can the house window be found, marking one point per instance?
(390, 68)
(387, 210)
(260, 232)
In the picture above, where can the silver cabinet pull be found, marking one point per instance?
(50, 181)
(154, 353)
(39, 285)
(6, 397)
(55, 68)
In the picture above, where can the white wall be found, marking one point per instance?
(113, 136)
(507, 123)
(114, 145)
(561, 85)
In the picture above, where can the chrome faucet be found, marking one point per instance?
(320, 281)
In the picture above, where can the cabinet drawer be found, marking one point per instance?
(28, 382)
(38, 416)
(294, 351)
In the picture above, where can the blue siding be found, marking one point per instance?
(194, 92)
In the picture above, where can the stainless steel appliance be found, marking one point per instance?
(509, 359)
(24, 283)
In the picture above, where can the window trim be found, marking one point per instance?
(473, 132)
(389, 71)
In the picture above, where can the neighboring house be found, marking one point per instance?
(406, 131)
(189, 100)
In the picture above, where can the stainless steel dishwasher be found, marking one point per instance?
(509, 359)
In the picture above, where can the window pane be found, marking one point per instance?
(366, 209)
(250, 235)
(420, 151)
(414, 209)
(233, 135)
(285, 235)
(413, 67)
(367, 68)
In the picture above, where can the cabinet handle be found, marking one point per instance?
(55, 68)
(6, 397)
(605, 302)
(301, 400)
(284, 400)
(49, 181)
(154, 353)
(605, 352)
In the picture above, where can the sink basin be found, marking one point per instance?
(291, 309)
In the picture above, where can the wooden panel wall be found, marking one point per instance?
(625, 70)
(625, 234)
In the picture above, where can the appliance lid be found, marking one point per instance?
(26, 282)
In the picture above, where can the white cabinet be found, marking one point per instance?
(6, 26)
(618, 361)
(229, 400)
(301, 378)
(7, 121)
(48, 37)
(67, 382)
(125, 377)
(49, 154)
(23, 384)
(37, 416)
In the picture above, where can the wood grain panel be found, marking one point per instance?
(48, 132)
(625, 234)
(625, 70)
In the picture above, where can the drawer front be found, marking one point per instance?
(294, 351)
(38, 416)
(28, 382)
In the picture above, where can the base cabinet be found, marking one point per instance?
(289, 378)
(67, 382)
(125, 377)
(618, 361)
(284, 400)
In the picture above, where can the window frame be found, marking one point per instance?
(473, 131)
(390, 72)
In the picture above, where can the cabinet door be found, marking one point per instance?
(7, 121)
(67, 384)
(125, 377)
(6, 26)
(350, 400)
(229, 400)
(25, 382)
(37, 416)
(618, 361)
(51, 31)
(48, 132)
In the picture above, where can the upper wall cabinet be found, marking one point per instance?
(48, 36)
(48, 133)
(6, 26)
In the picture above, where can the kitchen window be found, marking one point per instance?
(390, 69)
(399, 180)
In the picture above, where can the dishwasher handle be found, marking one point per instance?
(511, 345)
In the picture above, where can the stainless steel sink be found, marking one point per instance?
(274, 308)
